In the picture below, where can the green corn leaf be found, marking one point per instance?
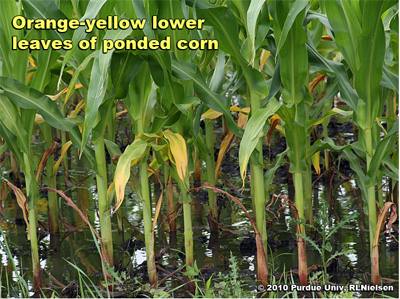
(348, 94)
(334, 111)
(92, 10)
(10, 138)
(218, 77)
(112, 148)
(275, 84)
(312, 15)
(269, 175)
(390, 80)
(253, 14)
(320, 145)
(342, 16)
(29, 98)
(362, 179)
(138, 100)
(254, 131)
(383, 149)
(226, 29)
(172, 9)
(43, 9)
(293, 54)
(98, 83)
(371, 51)
(10, 119)
(8, 57)
(331, 90)
(188, 71)
(294, 13)
(77, 71)
(296, 142)
(393, 173)
(124, 67)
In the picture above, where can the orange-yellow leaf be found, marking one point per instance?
(264, 57)
(274, 121)
(177, 146)
(78, 108)
(64, 150)
(237, 109)
(226, 143)
(315, 162)
(50, 151)
(22, 202)
(55, 97)
(110, 189)
(326, 37)
(118, 114)
(69, 89)
(39, 119)
(211, 114)
(122, 173)
(313, 83)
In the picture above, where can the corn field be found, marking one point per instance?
(267, 125)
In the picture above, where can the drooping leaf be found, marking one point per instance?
(29, 98)
(64, 150)
(178, 149)
(22, 202)
(122, 173)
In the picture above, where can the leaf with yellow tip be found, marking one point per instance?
(75, 75)
(237, 109)
(118, 114)
(313, 83)
(110, 189)
(31, 61)
(211, 114)
(39, 119)
(315, 162)
(50, 151)
(274, 121)
(264, 57)
(122, 173)
(64, 150)
(226, 143)
(78, 108)
(177, 146)
(55, 97)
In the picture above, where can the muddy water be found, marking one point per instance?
(77, 246)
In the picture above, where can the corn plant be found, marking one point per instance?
(362, 44)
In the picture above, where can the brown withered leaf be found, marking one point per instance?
(43, 162)
(22, 202)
